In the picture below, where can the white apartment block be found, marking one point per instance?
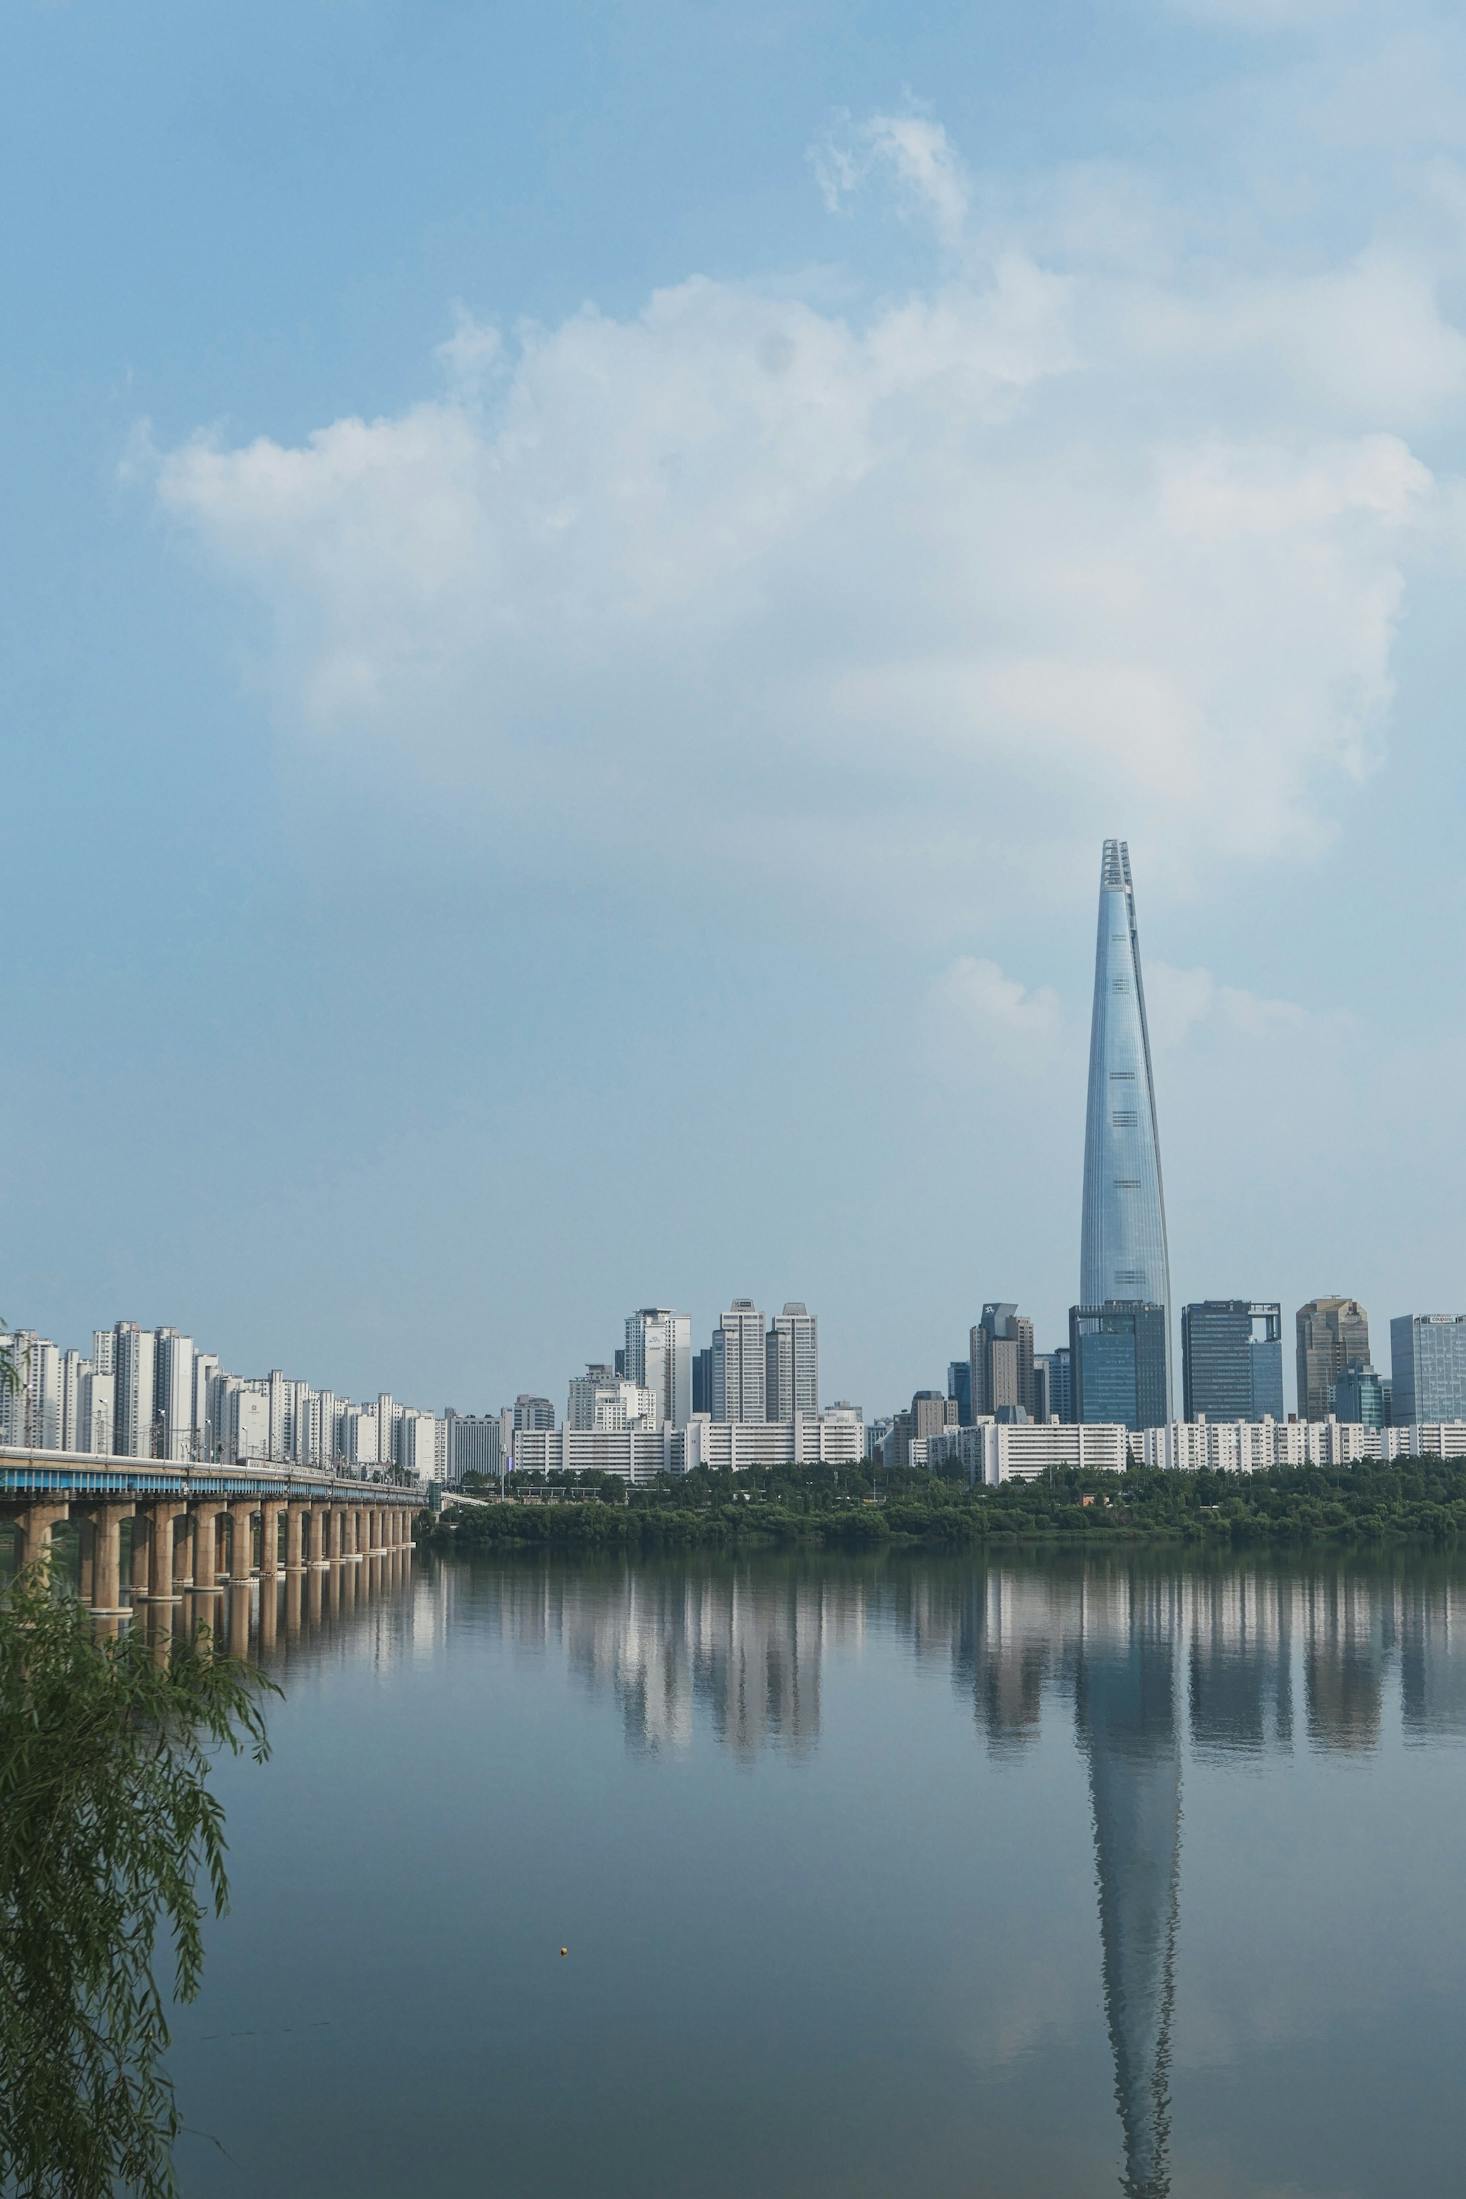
(833, 1438)
(636, 1454)
(173, 1395)
(417, 1446)
(73, 1369)
(739, 1368)
(658, 1356)
(94, 1410)
(792, 1363)
(600, 1398)
(360, 1436)
(1022, 1450)
(134, 1355)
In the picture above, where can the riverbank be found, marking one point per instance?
(852, 1509)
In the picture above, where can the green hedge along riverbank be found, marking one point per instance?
(855, 1508)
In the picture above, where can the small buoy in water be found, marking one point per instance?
(564, 1950)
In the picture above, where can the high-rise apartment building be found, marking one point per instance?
(1232, 1359)
(1000, 1356)
(134, 1357)
(1118, 1352)
(601, 1398)
(1331, 1332)
(417, 1445)
(658, 1355)
(1428, 1367)
(73, 1369)
(1122, 1255)
(94, 1409)
(739, 1370)
(792, 1363)
(531, 1412)
(173, 1394)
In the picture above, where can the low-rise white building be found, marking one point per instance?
(832, 1438)
(1021, 1450)
(636, 1454)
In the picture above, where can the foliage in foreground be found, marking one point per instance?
(107, 1828)
(860, 1507)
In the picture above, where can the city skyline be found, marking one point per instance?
(606, 713)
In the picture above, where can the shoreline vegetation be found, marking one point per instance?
(865, 1507)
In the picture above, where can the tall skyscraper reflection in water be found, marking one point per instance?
(1125, 1706)
(1150, 1664)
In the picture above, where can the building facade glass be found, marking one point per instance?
(1122, 1252)
(1428, 1367)
(1360, 1397)
(1118, 1360)
(1332, 1334)
(1232, 1360)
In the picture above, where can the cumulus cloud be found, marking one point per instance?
(1184, 1004)
(976, 1011)
(792, 593)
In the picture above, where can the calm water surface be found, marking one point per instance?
(1043, 1877)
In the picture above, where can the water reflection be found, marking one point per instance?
(283, 1621)
(1155, 1666)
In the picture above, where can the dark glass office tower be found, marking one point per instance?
(1122, 1252)
(1232, 1359)
(1118, 1357)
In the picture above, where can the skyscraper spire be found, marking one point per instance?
(1122, 1252)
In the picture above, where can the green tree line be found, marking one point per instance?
(1421, 1499)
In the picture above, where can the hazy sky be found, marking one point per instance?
(582, 584)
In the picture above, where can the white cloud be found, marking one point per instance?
(790, 593)
(915, 152)
(977, 1013)
(1184, 1004)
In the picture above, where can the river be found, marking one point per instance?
(1018, 1880)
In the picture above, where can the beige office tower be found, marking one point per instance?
(1331, 1332)
(1001, 1358)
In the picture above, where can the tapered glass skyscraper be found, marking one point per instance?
(1122, 1251)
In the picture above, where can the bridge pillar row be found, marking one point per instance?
(205, 1518)
(321, 1534)
(294, 1536)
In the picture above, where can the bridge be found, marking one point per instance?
(195, 1528)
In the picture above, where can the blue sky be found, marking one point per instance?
(581, 585)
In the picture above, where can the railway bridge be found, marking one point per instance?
(195, 1528)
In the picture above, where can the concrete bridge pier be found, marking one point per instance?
(162, 1520)
(294, 1536)
(106, 1520)
(33, 1525)
(205, 1523)
(241, 1538)
(270, 1510)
